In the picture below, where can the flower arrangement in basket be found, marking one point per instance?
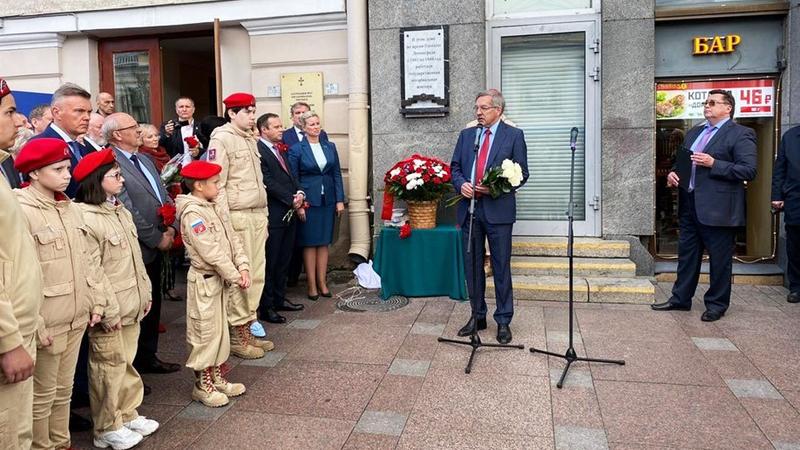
(421, 181)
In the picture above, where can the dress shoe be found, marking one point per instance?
(793, 297)
(155, 365)
(326, 294)
(313, 298)
(272, 317)
(711, 316)
(467, 329)
(147, 389)
(78, 423)
(289, 306)
(503, 333)
(668, 306)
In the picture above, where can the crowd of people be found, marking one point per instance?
(95, 229)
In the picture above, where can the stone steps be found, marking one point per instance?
(557, 246)
(586, 289)
(559, 266)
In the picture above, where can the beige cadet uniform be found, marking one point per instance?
(243, 194)
(20, 299)
(217, 258)
(69, 292)
(115, 387)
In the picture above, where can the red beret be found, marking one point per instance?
(200, 170)
(91, 162)
(4, 89)
(38, 153)
(239, 100)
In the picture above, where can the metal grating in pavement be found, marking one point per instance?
(357, 299)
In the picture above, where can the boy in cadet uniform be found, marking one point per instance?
(218, 263)
(20, 299)
(242, 195)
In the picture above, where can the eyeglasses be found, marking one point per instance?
(483, 108)
(117, 176)
(128, 128)
(713, 103)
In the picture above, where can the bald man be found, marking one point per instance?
(105, 104)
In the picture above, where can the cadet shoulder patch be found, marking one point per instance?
(198, 226)
(212, 154)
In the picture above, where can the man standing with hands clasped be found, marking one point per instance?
(711, 205)
(494, 217)
(786, 198)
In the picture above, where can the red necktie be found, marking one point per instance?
(278, 155)
(482, 155)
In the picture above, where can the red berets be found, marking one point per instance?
(239, 100)
(200, 170)
(4, 89)
(91, 162)
(38, 153)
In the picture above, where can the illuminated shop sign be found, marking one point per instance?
(715, 44)
(754, 98)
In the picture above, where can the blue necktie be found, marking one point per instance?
(76, 150)
(138, 166)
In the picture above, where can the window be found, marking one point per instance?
(505, 7)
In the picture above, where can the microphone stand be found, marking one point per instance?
(570, 356)
(474, 337)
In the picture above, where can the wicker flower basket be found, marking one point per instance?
(422, 214)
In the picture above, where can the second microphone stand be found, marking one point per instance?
(570, 356)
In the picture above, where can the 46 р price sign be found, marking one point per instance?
(754, 98)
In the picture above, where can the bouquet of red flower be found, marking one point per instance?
(418, 178)
(281, 147)
(405, 230)
(191, 141)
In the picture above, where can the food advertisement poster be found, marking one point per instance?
(754, 98)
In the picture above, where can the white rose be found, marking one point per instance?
(395, 172)
(412, 176)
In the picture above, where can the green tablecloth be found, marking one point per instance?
(428, 263)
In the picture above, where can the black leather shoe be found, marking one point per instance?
(326, 294)
(147, 389)
(313, 298)
(272, 317)
(667, 306)
(711, 316)
(793, 297)
(467, 329)
(78, 423)
(289, 306)
(503, 334)
(155, 365)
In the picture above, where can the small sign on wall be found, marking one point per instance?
(301, 87)
(424, 67)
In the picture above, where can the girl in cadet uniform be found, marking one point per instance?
(218, 265)
(115, 387)
(70, 286)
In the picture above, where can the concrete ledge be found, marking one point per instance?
(557, 246)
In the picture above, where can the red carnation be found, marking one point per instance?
(167, 213)
(405, 230)
(191, 141)
(177, 242)
(281, 147)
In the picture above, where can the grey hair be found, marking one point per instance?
(38, 112)
(69, 90)
(307, 115)
(497, 98)
(110, 125)
(296, 104)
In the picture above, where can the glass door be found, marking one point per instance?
(549, 75)
(131, 70)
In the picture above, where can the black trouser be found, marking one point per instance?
(296, 264)
(148, 336)
(793, 257)
(280, 246)
(720, 242)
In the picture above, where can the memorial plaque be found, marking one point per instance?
(301, 87)
(425, 74)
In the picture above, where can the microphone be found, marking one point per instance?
(477, 138)
(573, 138)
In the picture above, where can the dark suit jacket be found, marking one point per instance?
(786, 176)
(49, 132)
(138, 196)
(174, 144)
(290, 137)
(305, 169)
(91, 147)
(718, 191)
(281, 186)
(11, 172)
(509, 143)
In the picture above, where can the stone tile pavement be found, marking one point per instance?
(342, 380)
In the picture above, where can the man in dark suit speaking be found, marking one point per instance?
(493, 218)
(712, 204)
(786, 197)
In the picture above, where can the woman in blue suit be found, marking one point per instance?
(315, 164)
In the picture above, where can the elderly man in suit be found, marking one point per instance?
(105, 104)
(93, 139)
(493, 218)
(174, 131)
(712, 204)
(283, 195)
(786, 197)
(143, 195)
(70, 107)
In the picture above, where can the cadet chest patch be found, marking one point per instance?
(198, 226)
(212, 154)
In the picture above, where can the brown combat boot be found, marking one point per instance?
(204, 390)
(241, 344)
(225, 386)
(263, 344)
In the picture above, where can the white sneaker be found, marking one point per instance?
(142, 425)
(121, 439)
